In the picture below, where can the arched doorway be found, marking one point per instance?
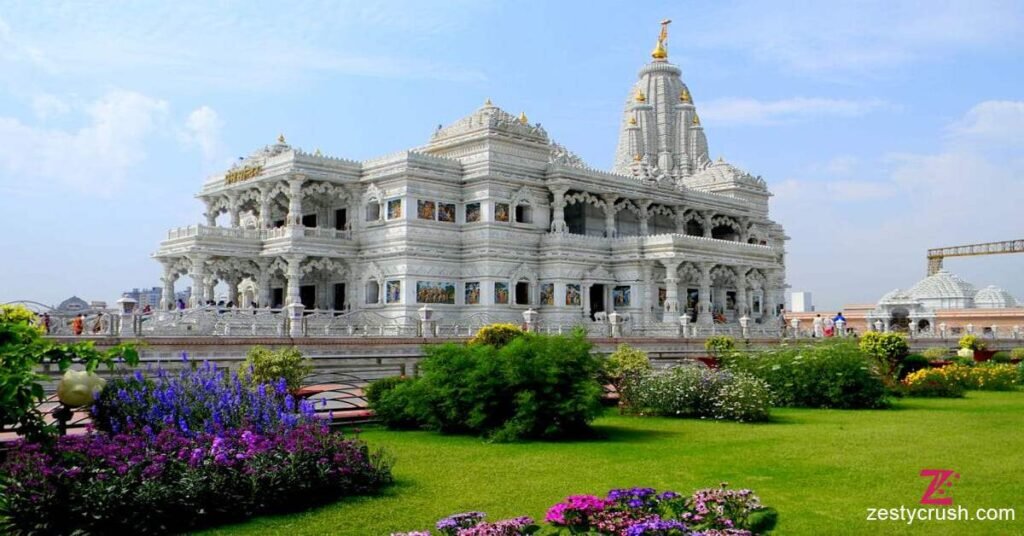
(899, 319)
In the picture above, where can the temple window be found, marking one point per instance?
(472, 212)
(724, 232)
(694, 228)
(501, 212)
(426, 210)
(341, 218)
(524, 214)
(395, 209)
(523, 293)
(309, 220)
(372, 292)
(373, 211)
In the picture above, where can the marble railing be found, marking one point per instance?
(665, 238)
(296, 231)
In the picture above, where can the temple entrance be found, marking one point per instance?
(924, 325)
(309, 220)
(339, 297)
(522, 293)
(277, 298)
(341, 219)
(596, 299)
(900, 320)
(307, 295)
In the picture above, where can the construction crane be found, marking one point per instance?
(936, 255)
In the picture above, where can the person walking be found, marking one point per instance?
(78, 324)
(819, 326)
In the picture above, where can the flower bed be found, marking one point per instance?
(169, 481)
(952, 380)
(630, 512)
(691, 391)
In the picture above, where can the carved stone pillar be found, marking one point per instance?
(167, 300)
(680, 221)
(198, 274)
(264, 220)
(671, 285)
(233, 283)
(294, 275)
(211, 216)
(741, 292)
(585, 289)
(609, 215)
(647, 295)
(644, 205)
(295, 200)
(233, 209)
(558, 210)
(263, 283)
(708, 216)
(704, 299)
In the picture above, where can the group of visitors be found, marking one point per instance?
(828, 327)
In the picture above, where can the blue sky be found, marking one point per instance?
(883, 128)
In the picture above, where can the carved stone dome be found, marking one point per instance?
(943, 290)
(993, 297)
(895, 296)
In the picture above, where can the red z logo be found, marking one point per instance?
(939, 485)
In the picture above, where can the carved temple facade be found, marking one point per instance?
(490, 218)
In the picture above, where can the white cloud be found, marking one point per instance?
(992, 122)
(858, 239)
(94, 158)
(858, 38)
(203, 127)
(47, 106)
(753, 111)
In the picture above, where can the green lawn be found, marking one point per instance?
(821, 469)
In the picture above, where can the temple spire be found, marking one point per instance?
(660, 51)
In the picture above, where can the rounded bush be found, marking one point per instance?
(945, 382)
(696, 391)
(1001, 357)
(993, 377)
(832, 374)
(913, 363)
(497, 335)
(935, 354)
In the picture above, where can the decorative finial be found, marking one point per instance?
(660, 51)
(637, 157)
(317, 152)
(684, 96)
(523, 119)
(696, 119)
(640, 97)
(280, 138)
(488, 102)
(632, 121)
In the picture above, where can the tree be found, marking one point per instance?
(22, 350)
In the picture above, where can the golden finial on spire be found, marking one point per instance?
(696, 119)
(640, 97)
(488, 102)
(632, 121)
(660, 51)
(280, 138)
(637, 157)
(523, 119)
(684, 96)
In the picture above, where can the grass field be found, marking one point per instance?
(822, 469)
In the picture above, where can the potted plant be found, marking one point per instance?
(977, 347)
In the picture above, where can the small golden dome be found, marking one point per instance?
(280, 138)
(696, 119)
(684, 96)
(640, 97)
(660, 52)
(632, 121)
(637, 157)
(523, 119)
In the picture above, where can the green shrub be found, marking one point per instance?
(832, 374)
(625, 361)
(993, 377)
(496, 334)
(1017, 353)
(945, 382)
(377, 388)
(22, 350)
(719, 345)
(935, 354)
(1020, 377)
(964, 361)
(1001, 357)
(536, 386)
(697, 391)
(269, 366)
(887, 349)
(913, 363)
(971, 342)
